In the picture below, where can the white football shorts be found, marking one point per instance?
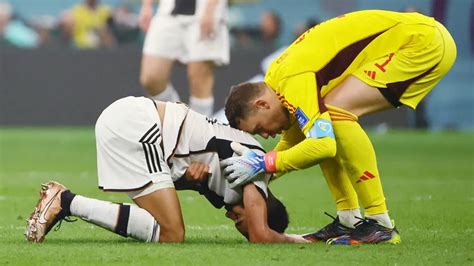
(129, 154)
(178, 37)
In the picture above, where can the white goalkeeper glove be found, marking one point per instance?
(243, 168)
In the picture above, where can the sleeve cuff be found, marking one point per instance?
(270, 161)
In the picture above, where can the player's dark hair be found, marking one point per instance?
(239, 103)
(277, 216)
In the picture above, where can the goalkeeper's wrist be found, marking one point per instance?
(270, 161)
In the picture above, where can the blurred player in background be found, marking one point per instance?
(137, 140)
(313, 94)
(193, 32)
(87, 25)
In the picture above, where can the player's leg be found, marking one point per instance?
(201, 83)
(164, 205)
(403, 77)
(204, 53)
(357, 97)
(57, 203)
(129, 156)
(345, 197)
(343, 193)
(163, 44)
(156, 218)
(340, 184)
(154, 77)
(357, 161)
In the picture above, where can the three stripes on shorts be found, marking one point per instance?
(148, 142)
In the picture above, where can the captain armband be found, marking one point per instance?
(321, 128)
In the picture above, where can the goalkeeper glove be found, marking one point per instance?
(247, 165)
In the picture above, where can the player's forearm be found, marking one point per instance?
(305, 154)
(282, 146)
(290, 138)
(256, 215)
(269, 236)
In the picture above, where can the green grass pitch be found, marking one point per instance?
(427, 178)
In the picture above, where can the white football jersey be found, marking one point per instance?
(204, 140)
(135, 149)
(191, 8)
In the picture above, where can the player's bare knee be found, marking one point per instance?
(145, 80)
(172, 234)
(152, 85)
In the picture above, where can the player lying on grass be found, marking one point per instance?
(313, 94)
(137, 142)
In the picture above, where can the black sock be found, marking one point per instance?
(66, 198)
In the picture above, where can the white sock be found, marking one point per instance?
(382, 219)
(125, 220)
(203, 106)
(142, 225)
(168, 95)
(347, 217)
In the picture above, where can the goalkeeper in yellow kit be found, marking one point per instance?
(313, 94)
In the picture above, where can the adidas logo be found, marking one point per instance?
(369, 73)
(366, 176)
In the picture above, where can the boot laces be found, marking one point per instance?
(365, 226)
(67, 219)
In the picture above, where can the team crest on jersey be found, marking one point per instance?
(301, 117)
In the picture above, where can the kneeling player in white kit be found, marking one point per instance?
(143, 147)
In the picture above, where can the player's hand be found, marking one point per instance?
(296, 238)
(207, 26)
(197, 172)
(243, 168)
(145, 16)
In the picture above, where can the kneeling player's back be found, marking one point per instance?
(206, 141)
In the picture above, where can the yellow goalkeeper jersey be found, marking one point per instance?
(326, 54)
(323, 57)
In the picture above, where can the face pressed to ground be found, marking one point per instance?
(266, 122)
(237, 214)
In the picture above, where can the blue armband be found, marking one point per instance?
(321, 128)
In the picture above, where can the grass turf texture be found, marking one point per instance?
(427, 177)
